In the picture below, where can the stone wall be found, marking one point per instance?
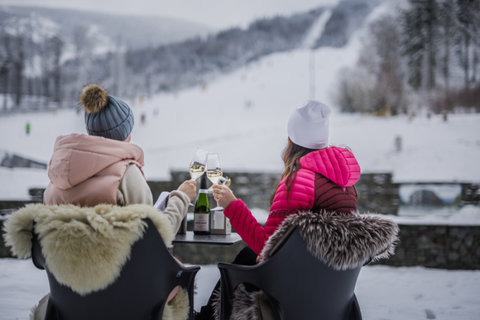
(440, 246)
(470, 194)
(437, 246)
(255, 188)
(377, 192)
(434, 246)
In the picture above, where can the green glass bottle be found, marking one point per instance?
(201, 213)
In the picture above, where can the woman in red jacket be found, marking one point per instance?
(316, 178)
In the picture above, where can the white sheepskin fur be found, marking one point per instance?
(85, 248)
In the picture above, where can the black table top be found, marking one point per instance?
(189, 237)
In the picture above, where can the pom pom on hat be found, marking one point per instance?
(106, 116)
(308, 125)
(93, 98)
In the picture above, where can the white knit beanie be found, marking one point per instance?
(308, 125)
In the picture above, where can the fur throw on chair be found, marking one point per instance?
(85, 247)
(342, 241)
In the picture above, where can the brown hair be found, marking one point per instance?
(291, 159)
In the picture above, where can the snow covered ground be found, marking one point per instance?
(384, 293)
(252, 139)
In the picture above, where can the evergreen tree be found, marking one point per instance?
(414, 43)
(447, 25)
(467, 40)
(18, 60)
(431, 20)
(420, 42)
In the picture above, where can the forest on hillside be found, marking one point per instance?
(426, 55)
(41, 69)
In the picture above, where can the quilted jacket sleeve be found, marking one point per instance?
(246, 225)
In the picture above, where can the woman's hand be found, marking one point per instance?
(223, 195)
(190, 188)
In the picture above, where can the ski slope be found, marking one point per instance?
(243, 115)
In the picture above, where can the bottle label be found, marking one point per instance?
(201, 222)
(218, 220)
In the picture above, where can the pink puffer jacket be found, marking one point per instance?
(324, 182)
(86, 170)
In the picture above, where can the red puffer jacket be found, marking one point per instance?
(324, 182)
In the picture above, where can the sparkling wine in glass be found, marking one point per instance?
(197, 165)
(225, 181)
(214, 172)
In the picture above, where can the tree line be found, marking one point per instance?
(427, 55)
(28, 68)
(44, 70)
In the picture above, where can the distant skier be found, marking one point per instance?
(27, 128)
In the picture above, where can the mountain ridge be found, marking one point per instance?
(136, 30)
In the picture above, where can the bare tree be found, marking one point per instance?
(467, 40)
(376, 84)
(4, 66)
(385, 38)
(118, 67)
(18, 63)
(83, 47)
(56, 45)
(446, 12)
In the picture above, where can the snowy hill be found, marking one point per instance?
(133, 55)
(243, 116)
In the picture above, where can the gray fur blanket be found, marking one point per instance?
(342, 241)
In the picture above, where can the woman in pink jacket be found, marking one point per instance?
(316, 178)
(103, 166)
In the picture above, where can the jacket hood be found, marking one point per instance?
(334, 163)
(77, 157)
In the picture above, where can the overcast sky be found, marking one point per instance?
(214, 13)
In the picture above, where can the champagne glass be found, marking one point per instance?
(225, 181)
(214, 172)
(197, 164)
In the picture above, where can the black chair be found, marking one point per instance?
(140, 292)
(297, 284)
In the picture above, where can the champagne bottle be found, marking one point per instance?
(201, 213)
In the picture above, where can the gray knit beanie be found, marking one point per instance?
(105, 115)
